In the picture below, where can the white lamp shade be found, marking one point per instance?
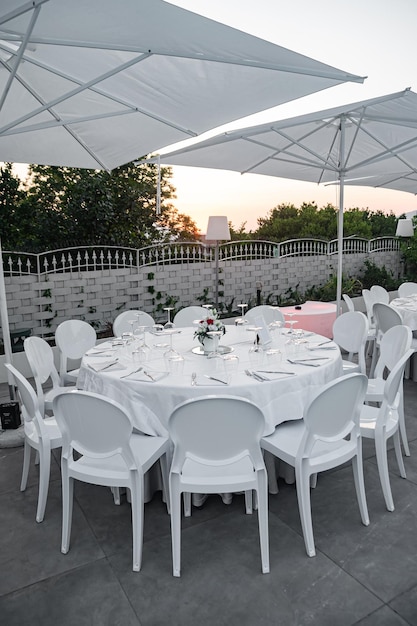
(405, 228)
(217, 228)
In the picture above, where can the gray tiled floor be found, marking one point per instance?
(361, 575)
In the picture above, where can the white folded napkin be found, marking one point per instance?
(99, 365)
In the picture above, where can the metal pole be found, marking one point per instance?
(340, 217)
(216, 257)
(5, 324)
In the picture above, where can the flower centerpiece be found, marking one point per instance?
(209, 324)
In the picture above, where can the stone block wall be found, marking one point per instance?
(98, 296)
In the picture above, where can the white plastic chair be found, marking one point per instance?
(407, 289)
(385, 317)
(122, 322)
(350, 332)
(100, 430)
(216, 450)
(393, 345)
(40, 357)
(381, 423)
(349, 302)
(369, 303)
(269, 313)
(379, 294)
(328, 436)
(186, 316)
(73, 338)
(43, 435)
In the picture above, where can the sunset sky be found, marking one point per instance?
(373, 38)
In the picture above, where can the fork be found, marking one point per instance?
(148, 375)
(193, 379)
(255, 376)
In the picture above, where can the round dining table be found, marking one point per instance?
(280, 377)
(266, 377)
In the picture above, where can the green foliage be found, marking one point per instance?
(70, 206)
(286, 221)
(409, 253)
(375, 275)
(328, 292)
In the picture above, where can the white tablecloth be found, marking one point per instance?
(151, 403)
(407, 307)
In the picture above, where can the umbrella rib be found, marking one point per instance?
(326, 72)
(18, 57)
(83, 87)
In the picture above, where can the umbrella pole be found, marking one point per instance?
(340, 217)
(5, 324)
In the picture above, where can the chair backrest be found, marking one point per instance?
(269, 313)
(122, 322)
(379, 294)
(187, 315)
(95, 426)
(407, 289)
(349, 302)
(73, 338)
(41, 359)
(216, 429)
(386, 317)
(334, 412)
(391, 390)
(30, 404)
(350, 332)
(394, 344)
(369, 304)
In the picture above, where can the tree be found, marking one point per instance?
(11, 195)
(72, 206)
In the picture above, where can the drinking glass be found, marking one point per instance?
(215, 334)
(231, 366)
(169, 324)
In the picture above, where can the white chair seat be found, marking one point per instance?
(51, 429)
(369, 419)
(211, 477)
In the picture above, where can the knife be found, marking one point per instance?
(218, 380)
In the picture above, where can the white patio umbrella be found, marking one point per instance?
(361, 143)
(98, 83)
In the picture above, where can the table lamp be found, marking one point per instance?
(217, 230)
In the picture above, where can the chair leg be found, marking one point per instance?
(263, 519)
(116, 495)
(26, 464)
(357, 467)
(248, 502)
(302, 480)
(44, 473)
(137, 507)
(374, 359)
(67, 505)
(403, 430)
(163, 462)
(382, 462)
(272, 473)
(398, 455)
(187, 504)
(175, 505)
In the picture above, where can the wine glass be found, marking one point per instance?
(169, 324)
(256, 349)
(208, 308)
(171, 351)
(291, 322)
(241, 321)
